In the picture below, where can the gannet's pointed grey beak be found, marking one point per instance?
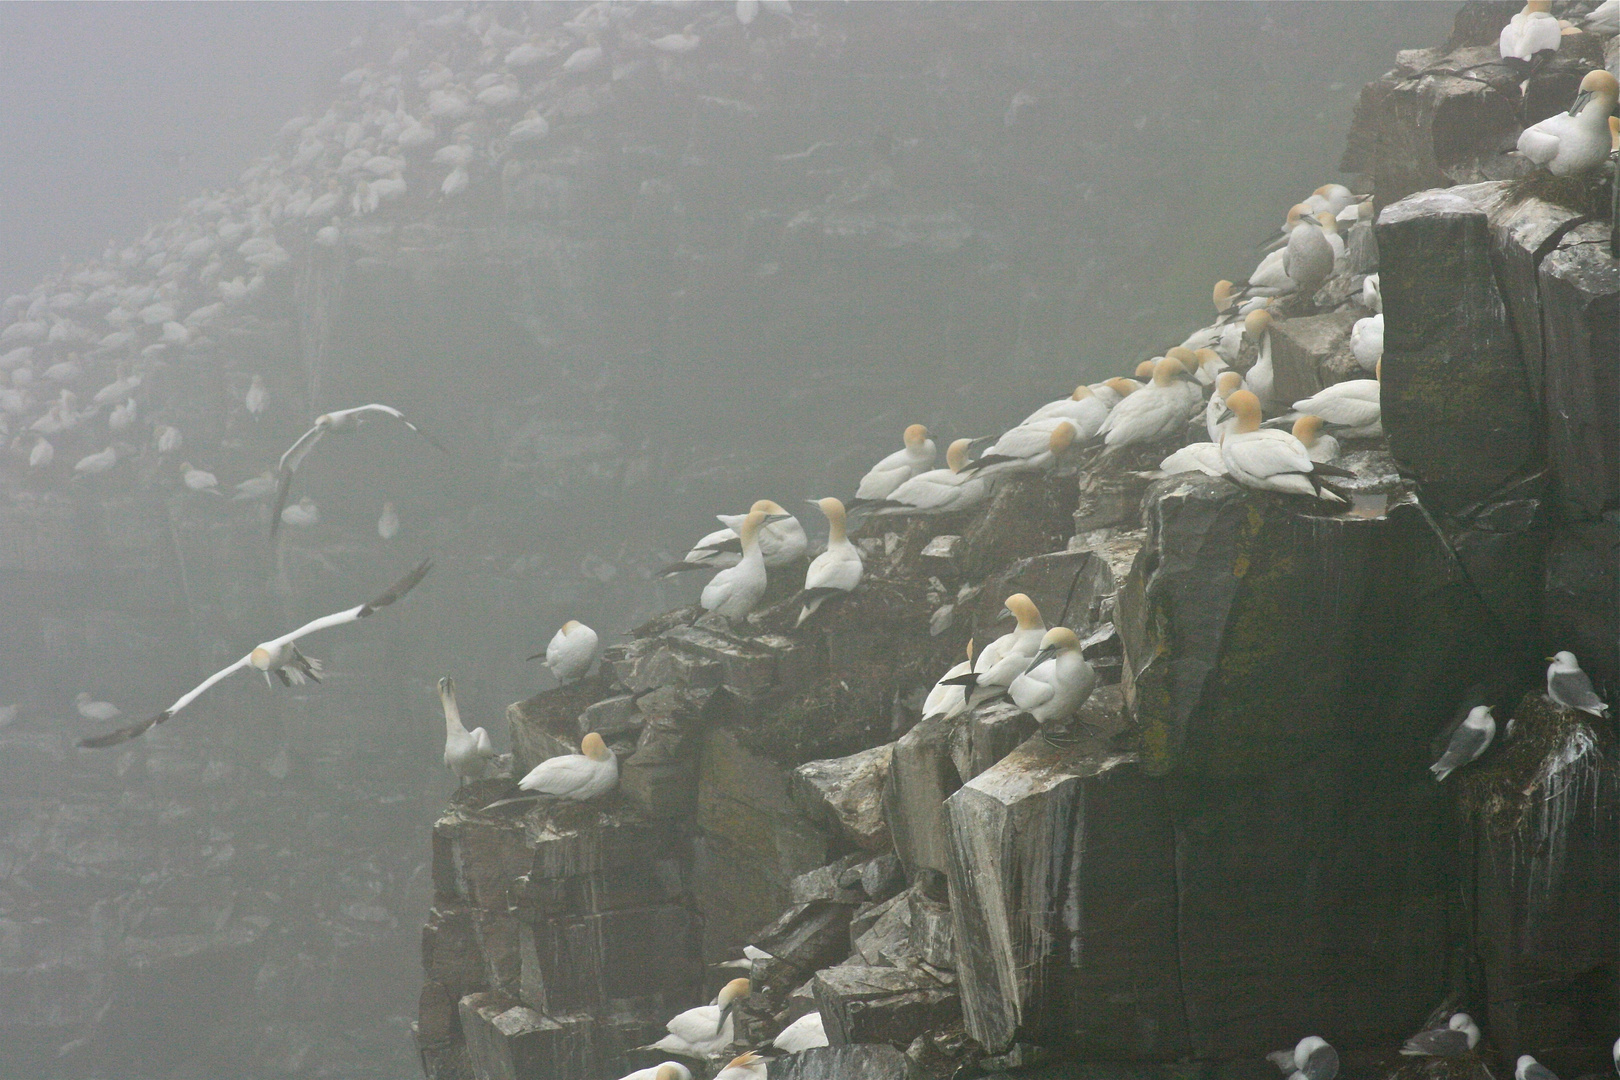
(1041, 657)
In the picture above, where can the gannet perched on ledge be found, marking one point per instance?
(1570, 143)
(1005, 658)
(1310, 1059)
(805, 1033)
(1270, 460)
(576, 777)
(280, 655)
(707, 1029)
(736, 590)
(836, 571)
(745, 1066)
(881, 479)
(466, 753)
(669, 1070)
(569, 652)
(938, 491)
(781, 541)
(343, 420)
(1058, 680)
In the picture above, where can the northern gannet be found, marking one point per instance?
(122, 416)
(569, 652)
(1528, 1068)
(745, 1066)
(1372, 294)
(1310, 1059)
(707, 1029)
(42, 453)
(1569, 686)
(1112, 391)
(280, 656)
(1367, 341)
(1204, 457)
(805, 1033)
(1330, 198)
(577, 777)
(456, 182)
(1217, 417)
(836, 571)
(1308, 430)
(1085, 409)
(881, 479)
(468, 754)
(1353, 407)
(1309, 257)
(1459, 1036)
(91, 464)
(1027, 448)
(1270, 460)
(341, 421)
(1470, 740)
(304, 513)
(780, 542)
(1570, 143)
(198, 479)
(1157, 411)
(1210, 365)
(938, 491)
(948, 698)
(669, 1070)
(1270, 277)
(1259, 378)
(736, 590)
(1057, 681)
(1008, 656)
(1531, 31)
(388, 522)
(532, 128)
(676, 44)
(583, 59)
(1605, 20)
(257, 397)
(96, 710)
(255, 487)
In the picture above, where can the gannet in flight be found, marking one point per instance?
(1459, 1036)
(805, 1033)
(836, 571)
(1570, 143)
(280, 655)
(881, 479)
(707, 1029)
(577, 777)
(1310, 1059)
(1270, 460)
(343, 420)
(466, 753)
(569, 652)
(1569, 686)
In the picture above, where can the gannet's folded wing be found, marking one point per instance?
(141, 727)
(361, 611)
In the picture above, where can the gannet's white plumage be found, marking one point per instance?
(92, 464)
(748, 1066)
(1308, 430)
(303, 513)
(1367, 341)
(388, 522)
(257, 396)
(1267, 459)
(668, 1070)
(1528, 1068)
(1530, 31)
(782, 540)
(1057, 681)
(570, 652)
(805, 1033)
(1217, 417)
(468, 754)
(736, 590)
(198, 479)
(1605, 20)
(1112, 391)
(280, 656)
(340, 421)
(836, 571)
(948, 698)
(1573, 142)
(1008, 656)
(1570, 687)
(1204, 457)
(1159, 410)
(1270, 278)
(1470, 740)
(90, 709)
(1084, 409)
(1353, 407)
(915, 457)
(938, 491)
(576, 777)
(1372, 293)
(1459, 1036)
(1027, 448)
(1309, 256)
(707, 1029)
(1310, 1059)
(1330, 198)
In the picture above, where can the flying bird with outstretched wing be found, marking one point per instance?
(341, 421)
(281, 656)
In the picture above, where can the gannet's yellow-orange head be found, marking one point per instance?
(667, 1071)
(594, 748)
(1056, 640)
(1307, 428)
(736, 988)
(1297, 211)
(1062, 437)
(956, 454)
(570, 626)
(1378, 369)
(1024, 610)
(916, 435)
(749, 530)
(1226, 382)
(1222, 295)
(1081, 392)
(970, 650)
(834, 509)
(1256, 323)
(1144, 370)
(1122, 386)
(743, 1061)
(1167, 371)
(1531, 6)
(1187, 358)
(260, 658)
(1329, 222)
(1598, 86)
(1246, 406)
(768, 506)
(1614, 134)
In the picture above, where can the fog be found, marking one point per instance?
(726, 275)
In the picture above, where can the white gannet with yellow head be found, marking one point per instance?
(668, 1070)
(1530, 31)
(1191, 388)
(707, 1029)
(280, 656)
(576, 777)
(1058, 679)
(1113, 391)
(1308, 430)
(1259, 379)
(1217, 417)
(1084, 408)
(569, 652)
(947, 698)
(1204, 457)
(1270, 278)
(917, 456)
(1027, 448)
(748, 1066)
(736, 590)
(1270, 460)
(1574, 142)
(938, 491)
(1354, 407)
(1005, 658)
(781, 541)
(1159, 410)
(836, 571)
(466, 753)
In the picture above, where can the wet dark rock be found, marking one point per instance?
(933, 935)
(805, 938)
(611, 718)
(1582, 582)
(1306, 350)
(1105, 652)
(830, 882)
(509, 1041)
(1026, 516)
(882, 1004)
(882, 935)
(922, 774)
(846, 795)
(450, 954)
(989, 733)
(882, 877)
(861, 1062)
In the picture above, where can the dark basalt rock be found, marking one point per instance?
(922, 774)
(883, 1004)
(846, 795)
(805, 938)
(509, 1041)
(861, 1062)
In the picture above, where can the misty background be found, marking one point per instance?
(943, 213)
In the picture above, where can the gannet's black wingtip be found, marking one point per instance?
(123, 734)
